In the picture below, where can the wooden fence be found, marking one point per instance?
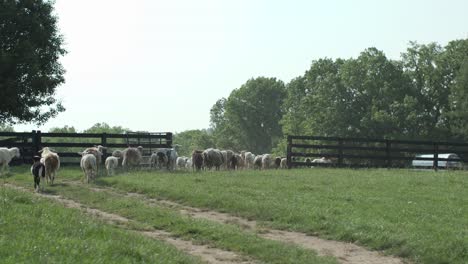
(67, 145)
(361, 152)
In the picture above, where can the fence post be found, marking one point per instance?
(387, 151)
(36, 141)
(104, 144)
(288, 152)
(436, 156)
(340, 152)
(169, 140)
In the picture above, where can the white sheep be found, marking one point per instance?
(181, 162)
(6, 155)
(257, 162)
(159, 159)
(249, 158)
(323, 160)
(98, 152)
(188, 164)
(111, 164)
(267, 161)
(132, 157)
(89, 166)
(171, 154)
(284, 163)
(227, 156)
(51, 161)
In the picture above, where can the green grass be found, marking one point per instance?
(420, 215)
(38, 230)
(224, 236)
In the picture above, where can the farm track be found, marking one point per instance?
(207, 254)
(346, 253)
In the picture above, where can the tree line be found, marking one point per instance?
(423, 95)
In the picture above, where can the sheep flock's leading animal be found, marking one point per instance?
(111, 164)
(51, 161)
(6, 155)
(89, 166)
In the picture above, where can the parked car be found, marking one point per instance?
(457, 164)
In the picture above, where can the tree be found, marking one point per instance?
(65, 129)
(249, 117)
(6, 128)
(193, 140)
(106, 128)
(30, 46)
(456, 59)
(363, 97)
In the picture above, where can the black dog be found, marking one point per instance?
(38, 171)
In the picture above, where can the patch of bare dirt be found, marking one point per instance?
(207, 254)
(346, 253)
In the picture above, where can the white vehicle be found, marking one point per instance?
(441, 163)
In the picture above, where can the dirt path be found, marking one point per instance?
(207, 254)
(346, 253)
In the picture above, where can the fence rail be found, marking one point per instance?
(362, 152)
(30, 143)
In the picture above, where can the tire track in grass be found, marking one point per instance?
(207, 254)
(346, 253)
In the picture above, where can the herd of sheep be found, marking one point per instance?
(163, 158)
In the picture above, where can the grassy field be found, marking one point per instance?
(36, 230)
(224, 236)
(418, 215)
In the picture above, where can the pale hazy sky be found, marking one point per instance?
(161, 65)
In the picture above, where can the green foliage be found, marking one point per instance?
(65, 129)
(423, 96)
(6, 128)
(105, 128)
(193, 140)
(249, 117)
(30, 48)
(459, 98)
(97, 128)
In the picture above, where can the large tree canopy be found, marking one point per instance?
(249, 118)
(30, 47)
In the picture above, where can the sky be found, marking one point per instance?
(159, 66)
